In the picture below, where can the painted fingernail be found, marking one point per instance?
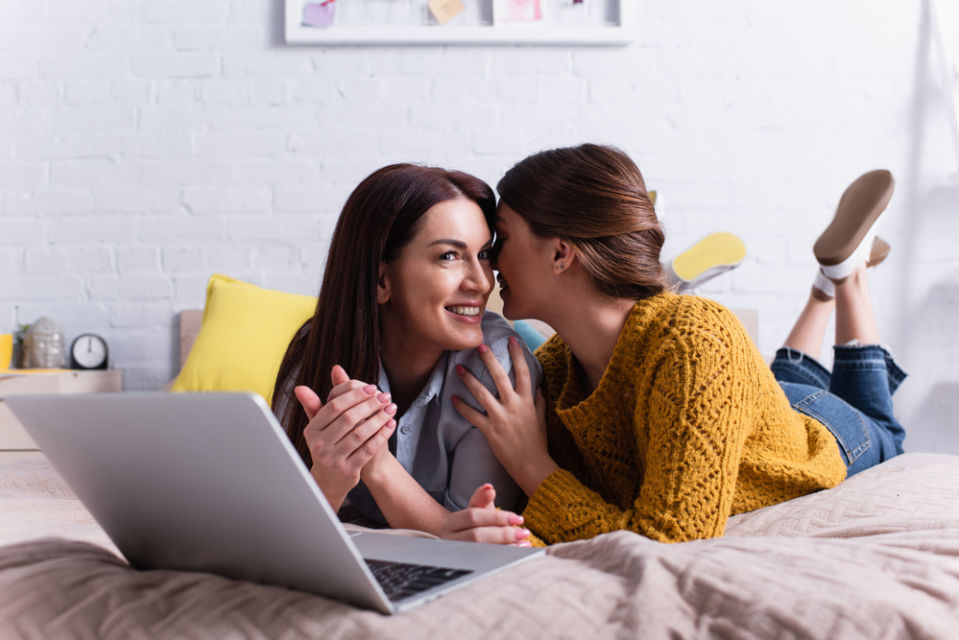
(383, 397)
(390, 409)
(482, 348)
(515, 520)
(522, 534)
(369, 389)
(460, 369)
(391, 424)
(513, 341)
(524, 543)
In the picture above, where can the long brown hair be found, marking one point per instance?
(379, 218)
(593, 197)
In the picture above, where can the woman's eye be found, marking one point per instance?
(485, 254)
(449, 256)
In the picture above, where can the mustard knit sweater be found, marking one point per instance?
(687, 427)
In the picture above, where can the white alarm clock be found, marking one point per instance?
(89, 351)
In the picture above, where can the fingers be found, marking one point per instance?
(474, 417)
(520, 367)
(472, 518)
(494, 535)
(342, 382)
(343, 387)
(356, 437)
(479, 391)
(367, 394)
(496, 370)
(483, 497)
(486, 525)
(360, 456)
(310, 402)
(540, 406)
(338, 375)
(366, 411)
(338, 417)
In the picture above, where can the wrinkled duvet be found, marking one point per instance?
(876, 557)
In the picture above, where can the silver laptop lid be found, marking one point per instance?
(199, 482)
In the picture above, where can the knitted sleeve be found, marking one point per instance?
(692, 408)
(698, 418)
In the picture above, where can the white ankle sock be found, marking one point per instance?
(824, 284)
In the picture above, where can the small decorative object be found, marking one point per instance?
(43, 346)
(89, 351)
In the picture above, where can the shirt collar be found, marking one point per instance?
(433, 386)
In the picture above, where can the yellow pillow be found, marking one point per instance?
(245, 332)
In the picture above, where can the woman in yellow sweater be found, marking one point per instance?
(658, 414)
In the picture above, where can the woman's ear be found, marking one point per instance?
(564, 255)
(382, 285)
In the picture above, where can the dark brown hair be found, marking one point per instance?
(379, 218)
(593, 197)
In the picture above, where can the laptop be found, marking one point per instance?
(210, 482)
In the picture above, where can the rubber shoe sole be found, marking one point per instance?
(714, 254)
(859, 207)
(878, 252)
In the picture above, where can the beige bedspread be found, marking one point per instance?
(876, 557)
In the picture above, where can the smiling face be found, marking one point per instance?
(432, 295)
(524, 262)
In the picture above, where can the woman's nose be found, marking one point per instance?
(480, 276)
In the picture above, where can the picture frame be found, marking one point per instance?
(408, 22)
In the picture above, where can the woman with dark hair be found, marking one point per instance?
(364, 389)
(658, 414)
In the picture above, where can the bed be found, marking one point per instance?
(875, 557)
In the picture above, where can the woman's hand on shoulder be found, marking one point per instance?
(515, 422)
(345, 433)
(481, 521)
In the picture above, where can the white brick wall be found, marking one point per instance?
(146, 144)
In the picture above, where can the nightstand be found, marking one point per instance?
(14, 440)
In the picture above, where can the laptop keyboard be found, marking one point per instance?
(400, 580)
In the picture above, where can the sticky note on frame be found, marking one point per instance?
(517, 11)
(445, 10)
(319, 14)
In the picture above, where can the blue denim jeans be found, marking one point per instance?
(854, 401)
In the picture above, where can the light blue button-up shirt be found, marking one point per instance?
(447, 455)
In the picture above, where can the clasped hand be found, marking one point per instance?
(346, 432)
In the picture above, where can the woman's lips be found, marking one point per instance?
(470, 314)
(464, 310)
